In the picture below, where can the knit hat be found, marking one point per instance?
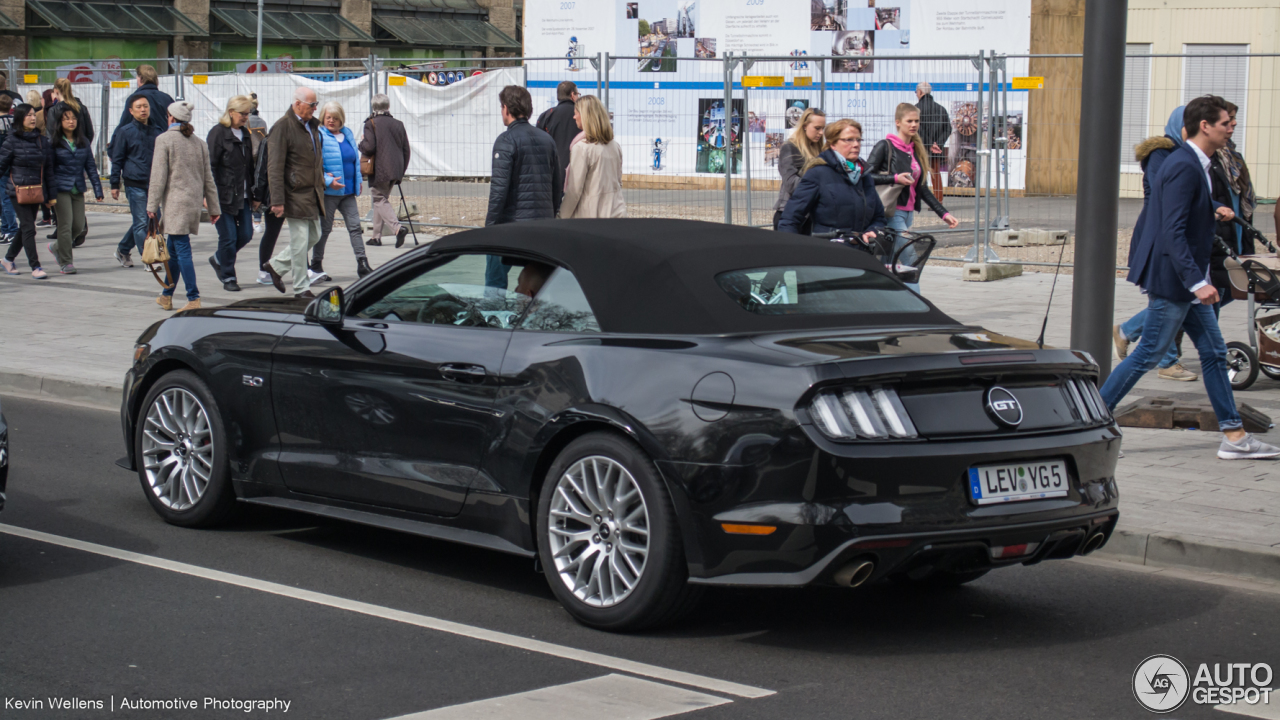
(181, 110)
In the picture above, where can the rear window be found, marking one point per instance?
(817, 290)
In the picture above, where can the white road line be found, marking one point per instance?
(561, 651)
(1270, 711)
(617, 697)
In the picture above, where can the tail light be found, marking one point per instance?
(869, 413)
(1086, 400)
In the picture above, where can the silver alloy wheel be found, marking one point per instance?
(177, 449)
(599, 531)
(1237, 364)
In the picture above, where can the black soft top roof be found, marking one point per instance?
(655, 276)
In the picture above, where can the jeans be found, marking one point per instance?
(234, 232)
(303, 235)
(901, 221)
(136, 235)
(496, 272)
(71, 223)
(1163, 321)
(345, 204)
(26, 239)
(8, 218)
(1132, 330)
(180, 264)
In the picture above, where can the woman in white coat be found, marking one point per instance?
(593, 184)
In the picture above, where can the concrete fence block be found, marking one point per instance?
(1049, 237)
(986, 272)
(1010, 238)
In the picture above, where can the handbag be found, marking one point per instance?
(366, 162)
(889, 197)
(155, 251)
(29, 194)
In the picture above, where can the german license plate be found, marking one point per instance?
(991, 484)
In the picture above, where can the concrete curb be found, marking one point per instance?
(1174, 550)
(49, 387)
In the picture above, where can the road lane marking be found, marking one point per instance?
(1270, 711)
(424, 621)
(611, 696)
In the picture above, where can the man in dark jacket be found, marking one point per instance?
(386, 141)
(147, 88)
(558, 122)
(935, 128)
(132, 147)
(527, 181)
(295, 174)
(1171, 264)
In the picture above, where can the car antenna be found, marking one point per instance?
(1054, 286)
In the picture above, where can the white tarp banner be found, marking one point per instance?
(451, 128)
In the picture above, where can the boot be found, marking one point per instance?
(165, 302)
(191, 305)
(362, 266)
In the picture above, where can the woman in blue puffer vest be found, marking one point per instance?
(72, 161)
(342, 184)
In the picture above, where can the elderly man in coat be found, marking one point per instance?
(295, 176)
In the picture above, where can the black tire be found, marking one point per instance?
(1273, 373)
(216, 504)
(662, 593)
(939, 579)
(1242, 365)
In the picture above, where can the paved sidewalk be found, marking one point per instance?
(72, 337)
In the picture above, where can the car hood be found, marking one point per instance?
(256, 308)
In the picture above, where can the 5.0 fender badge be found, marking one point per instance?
(1003, 407)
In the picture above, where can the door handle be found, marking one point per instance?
(464, 373)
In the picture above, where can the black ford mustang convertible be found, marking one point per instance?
(644, 406)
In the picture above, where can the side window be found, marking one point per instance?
(451, 293)
(560, 306)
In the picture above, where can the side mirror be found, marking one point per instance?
(326, 309)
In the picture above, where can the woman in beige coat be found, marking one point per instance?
(593, 185)
(180, 179)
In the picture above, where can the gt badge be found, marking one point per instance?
(1003, 407)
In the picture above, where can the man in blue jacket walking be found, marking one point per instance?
(131, 149)
(1170, 262)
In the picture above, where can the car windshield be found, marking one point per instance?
(817, 290)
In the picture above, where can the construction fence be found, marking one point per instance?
(701, 135)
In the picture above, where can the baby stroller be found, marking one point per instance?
(1256, 280)
(882, 248)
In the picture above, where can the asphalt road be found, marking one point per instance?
(1059, 640)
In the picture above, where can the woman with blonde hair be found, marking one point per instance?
(231, 162)
(342, 184)
(593, 184)
(64, 97)
(805, 144)
(901, 159)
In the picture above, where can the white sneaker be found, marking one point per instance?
(317, 277)
(257, 228)
(1249, 448)
(264, 277)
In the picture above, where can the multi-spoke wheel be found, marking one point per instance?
(181, 452)
(1242, 365)
(609, 539)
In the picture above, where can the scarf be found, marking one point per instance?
(854, 170)
(1238, 179)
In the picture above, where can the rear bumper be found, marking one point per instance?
(952, 551)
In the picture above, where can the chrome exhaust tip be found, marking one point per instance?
(1093, 543)
(855, 573)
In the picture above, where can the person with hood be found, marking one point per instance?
(1233, 188)
(804, 145)
(148, 88)
(342, 185)
(72, 161)
(26, 159)
(835, 193)
(181, 178)
(231, 160)
(1151, 154)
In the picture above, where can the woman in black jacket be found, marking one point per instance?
(72, 161)
(804, 145)
(902, 159)
(231, 159)
(26, 159)
(271, 222)
(64, 97)
(835, 191)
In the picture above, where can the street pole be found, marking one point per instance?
(259, 55)
(1093, 294)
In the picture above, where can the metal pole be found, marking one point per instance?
(992, 156)
(177, 79)
(259, 55)
(102, 132)
(822, 84)
(728, 144)
(607, 68)
(746, 149)
(975, 255)
(1006, 212)
(1093, 294)
(599, 69)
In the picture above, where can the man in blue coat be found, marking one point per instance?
(1170, 262)
(131, 149)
